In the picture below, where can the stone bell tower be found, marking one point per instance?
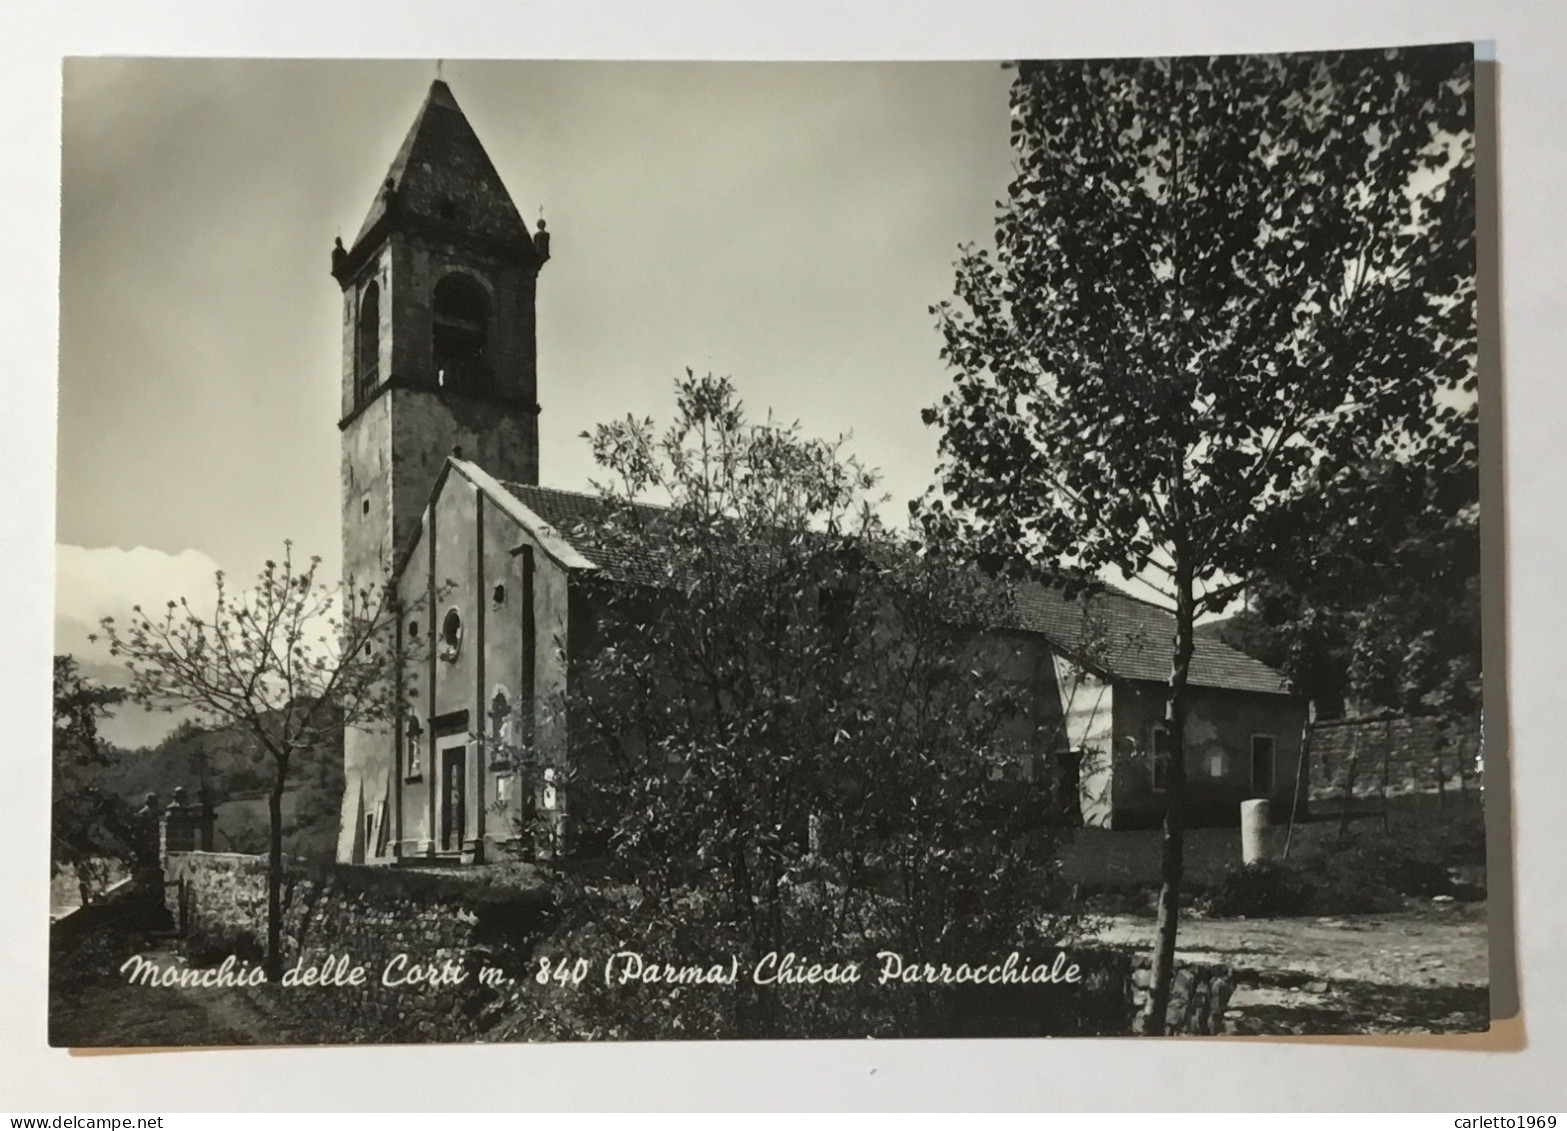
(439, 347)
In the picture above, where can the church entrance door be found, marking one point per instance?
(454, 797)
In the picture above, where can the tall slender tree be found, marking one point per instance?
(1218, 286)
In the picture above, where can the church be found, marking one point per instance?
(440, 491)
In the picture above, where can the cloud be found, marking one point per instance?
(100, 581)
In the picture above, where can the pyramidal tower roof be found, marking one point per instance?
(442, 178)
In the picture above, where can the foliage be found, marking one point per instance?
(791, 729)
(288, 663)
(92, 828)
(1262, 888)
(1371, 868)
(1219, 286)
(289, 660)
(1382, 606)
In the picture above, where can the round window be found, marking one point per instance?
(451, 634)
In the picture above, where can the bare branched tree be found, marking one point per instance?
(290, 661)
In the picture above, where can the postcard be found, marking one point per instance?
(611, 551)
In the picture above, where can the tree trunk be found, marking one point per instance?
(1172, 849)
(273, 964)
(1387, 759)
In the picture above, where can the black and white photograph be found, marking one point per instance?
(596, 551)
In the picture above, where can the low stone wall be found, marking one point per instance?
(1199, 996)
(422, 939)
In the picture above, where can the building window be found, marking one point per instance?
(364, 505)
(1159, 759)
(1262, 756)
(460, 331)
(367, 342)
(499, 595)
(451, 635)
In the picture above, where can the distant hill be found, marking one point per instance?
(1212, 629)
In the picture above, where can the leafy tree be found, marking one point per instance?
(288, 662)
(92, 827)
(1218, 285)
(1388, 594)
(785, 723)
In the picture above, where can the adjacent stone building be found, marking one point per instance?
(440, 490)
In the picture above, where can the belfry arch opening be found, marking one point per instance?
(461, 331)
(367, 341)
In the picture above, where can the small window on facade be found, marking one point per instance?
(367, 647)
(1262, 754)
(1159, 759)
(413, 730)
(364, 505)
(451, 634)
(413, 629)
(499, 594)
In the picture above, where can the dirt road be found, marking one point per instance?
(1423, 970)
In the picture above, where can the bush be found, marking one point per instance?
(210, 947)
(1371, 870)
(1264, 888)
(1363, 872)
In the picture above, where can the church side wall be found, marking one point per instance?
(1087, 711)
(1035, 733)
(1219, 730)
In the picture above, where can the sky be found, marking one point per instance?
(787, 224)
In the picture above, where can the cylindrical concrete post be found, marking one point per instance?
(1256, 836)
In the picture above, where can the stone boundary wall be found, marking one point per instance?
(1421, 755)
(444, 925)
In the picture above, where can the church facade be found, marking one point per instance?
(440, 492)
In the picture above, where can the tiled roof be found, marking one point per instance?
(1110, 630)
(1132, 639)
(575, 517)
